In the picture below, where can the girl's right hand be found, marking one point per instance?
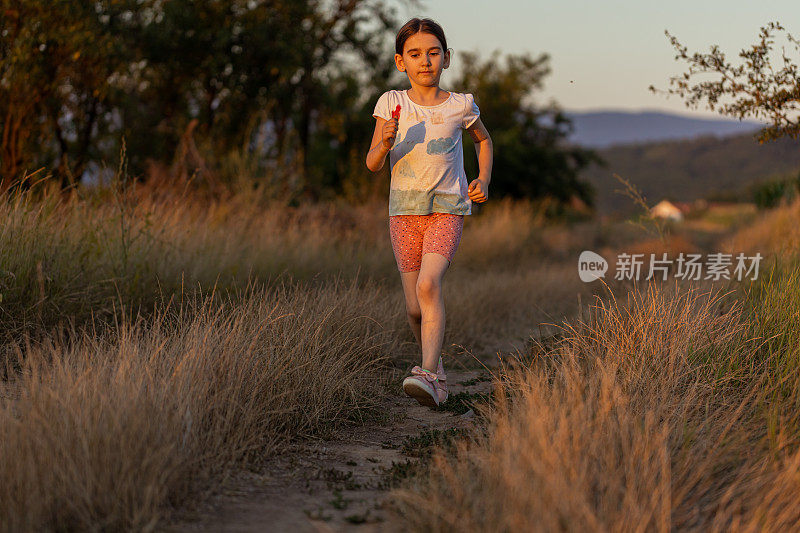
(389, 133)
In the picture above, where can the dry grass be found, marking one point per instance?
(76, 258)
(497, 309)
(776, 232)
(78, 261)
(105, 431)
(674, 410)
(114, 421)
(138, 387)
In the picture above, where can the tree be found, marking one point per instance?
(55, 60)
(754, 88)
(532, 158)
(76, 76)
(241, 65)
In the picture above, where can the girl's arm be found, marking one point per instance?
(485, 150)
(382, 141)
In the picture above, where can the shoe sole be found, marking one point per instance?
(419, 393)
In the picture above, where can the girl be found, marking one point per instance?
(420, 129)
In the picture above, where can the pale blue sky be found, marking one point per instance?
(611, 50)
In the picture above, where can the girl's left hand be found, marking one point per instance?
(478, 190)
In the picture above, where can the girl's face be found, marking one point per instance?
(423, 59)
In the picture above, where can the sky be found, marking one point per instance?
(605, 54)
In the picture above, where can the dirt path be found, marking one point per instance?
(338, 484)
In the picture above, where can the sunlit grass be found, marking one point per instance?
(153, 340)
(671, 408)
(179, 336)
(104, 431)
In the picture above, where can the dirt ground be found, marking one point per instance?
(338, 484)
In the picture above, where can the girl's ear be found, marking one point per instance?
(398, 62)
(447, 55)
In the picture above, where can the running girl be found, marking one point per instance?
(420, 129)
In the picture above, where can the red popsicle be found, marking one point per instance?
(396, 112)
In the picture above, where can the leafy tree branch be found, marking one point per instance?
(764, 85)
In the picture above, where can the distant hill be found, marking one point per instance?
(606, 128)
(689, 169)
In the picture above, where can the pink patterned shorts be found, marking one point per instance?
(416, 235)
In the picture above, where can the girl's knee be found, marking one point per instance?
(427, 287)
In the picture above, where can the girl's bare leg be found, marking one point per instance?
(413, 312)
(425, 306)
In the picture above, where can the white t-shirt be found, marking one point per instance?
(427, 159)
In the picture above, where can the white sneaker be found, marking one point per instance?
(423, 385)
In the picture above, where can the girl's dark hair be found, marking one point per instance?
(415, 26)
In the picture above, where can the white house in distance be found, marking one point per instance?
(666, 209)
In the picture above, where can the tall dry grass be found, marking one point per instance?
(673, 410)
(498, 309)
(109, 430)
(79, 257)
(128, 387)
(777, 231)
